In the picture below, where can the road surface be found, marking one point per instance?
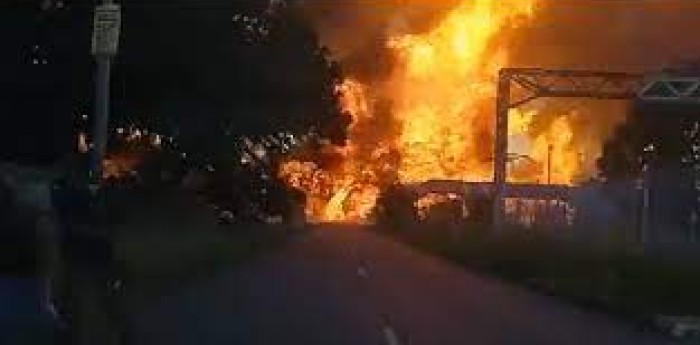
(343, 286)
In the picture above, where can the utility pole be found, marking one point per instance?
(105, 42)
(645, 217)
(648, 170)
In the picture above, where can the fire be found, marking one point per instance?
(117, 166)
(556, 148)
(432, 117)
(424, 204)
(350, 189)
(443, 88)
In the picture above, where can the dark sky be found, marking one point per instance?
(41, 87)
(177, 59)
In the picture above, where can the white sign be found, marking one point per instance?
(106, 26)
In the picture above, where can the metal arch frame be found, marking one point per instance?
(540, 83)
(671, 89)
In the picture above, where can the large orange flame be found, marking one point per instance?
(432, 118)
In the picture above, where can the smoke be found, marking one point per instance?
(624, 35)
(356, 30)
(632, 35)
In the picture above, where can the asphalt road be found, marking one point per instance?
(338, 285)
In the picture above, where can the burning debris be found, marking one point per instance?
(431, 200)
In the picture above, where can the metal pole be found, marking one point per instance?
(644, 231)
(101, 121)
(548, 208)
(549, 163)
(501, 148)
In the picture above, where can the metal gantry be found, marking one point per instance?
(667, 88)
(518, 86)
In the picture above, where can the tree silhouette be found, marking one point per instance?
(231, 71)
(659, 144)
(207, 72)
(44, 80)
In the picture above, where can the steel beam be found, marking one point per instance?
(500, 147)
(665, 88)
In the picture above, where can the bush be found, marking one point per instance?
(395, 209)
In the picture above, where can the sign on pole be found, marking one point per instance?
(106, 26)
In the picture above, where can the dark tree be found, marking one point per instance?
(215, 71)
(45, 74)
(228, 79)
(660, 133)
(658, 145)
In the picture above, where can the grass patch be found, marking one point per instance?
(617, 278)
(153, 262)
(167, 239)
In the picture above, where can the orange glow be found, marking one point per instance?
(428, 201)
(564, 157)
(119, 166)
(440, 122)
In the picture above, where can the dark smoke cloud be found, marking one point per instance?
(355, 30)
(610, 34)
(631, 35)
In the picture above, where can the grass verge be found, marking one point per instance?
(614, 277)
(166, 240)
(155, 262)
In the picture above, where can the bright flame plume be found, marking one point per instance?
(432, 117)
